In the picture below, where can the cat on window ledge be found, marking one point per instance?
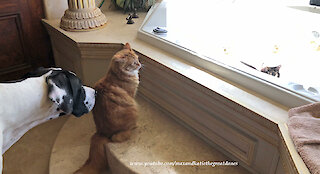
(115, 113)
(274, 71)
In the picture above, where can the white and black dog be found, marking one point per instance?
(44, 94)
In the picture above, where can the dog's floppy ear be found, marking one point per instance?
(78, 95)
(59, 90)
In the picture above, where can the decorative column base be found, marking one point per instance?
(83, 19)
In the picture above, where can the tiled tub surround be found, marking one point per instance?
(243, 125)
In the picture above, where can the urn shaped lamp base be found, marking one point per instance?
(82, 16)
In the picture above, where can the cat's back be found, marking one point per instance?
(110, 96)
(114, 110)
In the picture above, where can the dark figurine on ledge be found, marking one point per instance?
(129, 19)
(135, 15)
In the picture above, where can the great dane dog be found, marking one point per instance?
(42, 95)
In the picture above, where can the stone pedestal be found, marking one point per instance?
(82, 15)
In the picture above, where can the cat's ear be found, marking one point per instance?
(278, 67)
(127, 46)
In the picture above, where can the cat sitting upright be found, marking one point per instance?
(115, 112)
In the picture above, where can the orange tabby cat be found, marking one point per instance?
(115, 111)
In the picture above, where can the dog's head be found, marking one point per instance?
(66, 90)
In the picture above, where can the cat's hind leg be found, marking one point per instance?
(97, 161)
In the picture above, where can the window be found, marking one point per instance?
(236, 39)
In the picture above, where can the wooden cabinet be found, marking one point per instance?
(24, 43)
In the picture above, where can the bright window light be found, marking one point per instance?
(258, 33)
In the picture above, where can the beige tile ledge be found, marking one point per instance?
(157, 138)
(300, 165)
(117, 31)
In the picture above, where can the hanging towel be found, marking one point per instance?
(304, 129)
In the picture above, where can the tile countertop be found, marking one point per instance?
(117, 31)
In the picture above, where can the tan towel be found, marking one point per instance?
(304, 129)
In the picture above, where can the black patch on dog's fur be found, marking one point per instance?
(62, 114)
(13, 81)
(37, 73)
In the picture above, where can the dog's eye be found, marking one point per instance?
(87, 102)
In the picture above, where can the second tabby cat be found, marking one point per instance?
(274, 71)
